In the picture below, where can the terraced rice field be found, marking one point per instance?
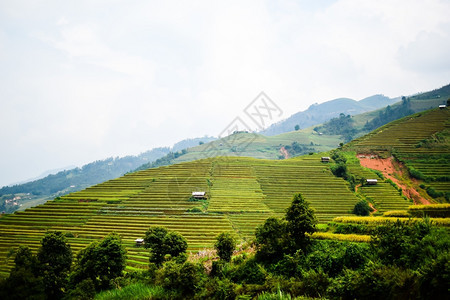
(403, 137)
(242, 193)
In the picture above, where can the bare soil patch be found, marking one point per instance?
(284, 152)
(393, 170)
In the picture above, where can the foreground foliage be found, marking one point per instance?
(402, 260)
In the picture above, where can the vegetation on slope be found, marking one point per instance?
(421, 143)
(402, 260)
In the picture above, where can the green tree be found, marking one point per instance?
(55, 260)
(183, 278)
(24, 281)
(301, 221)
(225, 244)
(100, 262)
(362, 208)
(161, 242)
(297, 127)
(270, 240)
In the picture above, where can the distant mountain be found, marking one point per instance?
(42, 175)
(320, 113)
(188, 143)
(342, 124)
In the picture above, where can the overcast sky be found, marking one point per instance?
(86, 80)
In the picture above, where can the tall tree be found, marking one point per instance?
(301, 221)
(55, 259)
(225, 244)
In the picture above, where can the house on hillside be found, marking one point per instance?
(199, 195)
(442, 106)
(371, 181)
(139, 242)
(325, 159)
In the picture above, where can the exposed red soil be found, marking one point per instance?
(392, 170)
(284, 152)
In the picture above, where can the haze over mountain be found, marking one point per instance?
(320, 113)
(78, 84)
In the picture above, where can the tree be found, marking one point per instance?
(225, 244)
(270, 240)
(100, 262)
(297, 127)
(278, 237)
(55, 260)
(24, 281)
(162, 242)
(301, 221)
(362, 208)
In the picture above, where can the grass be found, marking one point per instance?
(136, 291)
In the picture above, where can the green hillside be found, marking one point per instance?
(421, 142)
(243, 192)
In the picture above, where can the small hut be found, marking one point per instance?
(139, 242)
(199, 195)
(371, 181)
(442, 106)
(325, 159)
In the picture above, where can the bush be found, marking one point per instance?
(432, 192)
(339, 170)
(225, 244)
(315, 283)
(362, 208)
(182, 278)
(249, 272)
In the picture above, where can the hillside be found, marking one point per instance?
(321, 113)
(24, 195)
(242, 193)
(21, 196)
(420, 143)
(290, 144)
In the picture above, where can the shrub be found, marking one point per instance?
(183, 278)
(362, 208)
(433, 193)
(249, 272)
(315, 283)
(225, 244)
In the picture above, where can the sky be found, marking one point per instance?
(89, 79)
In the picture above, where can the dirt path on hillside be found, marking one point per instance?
(284, 152)
(390, 169)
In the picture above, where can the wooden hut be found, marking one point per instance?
(325, 159)
(371, 181)
(199, 195)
